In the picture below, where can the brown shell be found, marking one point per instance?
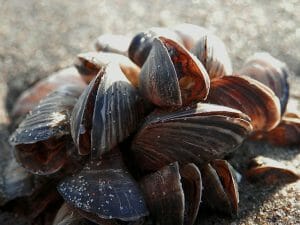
(42, 139)
(32, 96)
(287, 133)
(164, 195)
(141, 43)
(173, 195)
(113, 43)
(198, 134)
(190, 33)
(105, 188)
(89, 64)
(107, 112)
(212, 53)
(250, 96)
(171, 76)
(271, 72)
(192, 187)
(220, 188)
(270, 172)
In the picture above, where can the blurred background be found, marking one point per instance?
(38, 37)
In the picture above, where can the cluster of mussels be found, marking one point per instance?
(141, 139)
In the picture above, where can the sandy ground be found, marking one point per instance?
(38, 37)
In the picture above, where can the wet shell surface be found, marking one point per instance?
(107, 112)
(271, 72)
(42, 138)
(249, 96)
(199, 134)
(172, 77)
(106, 189)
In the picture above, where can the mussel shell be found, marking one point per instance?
(113, 43)
(107, 112)
(212, 53)
(220, 187)
(268, 171)
(89, 64)
(271, 72)
(171, 76)
(192, 187)
(32, 96)
(250, 96)
(198, 133)
(164, 195)
(41, 140)
(105, 188)
(287, 133)
(141, 43)
(190, 33)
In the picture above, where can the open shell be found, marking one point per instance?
(271, 72)
(107, 112)
(42, 139)
(249, 96)
(198, 134)
(89, 64)
(171, 76)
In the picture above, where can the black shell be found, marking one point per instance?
(107, 112)
(42, 139)
(141, 44)
(106, 189)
